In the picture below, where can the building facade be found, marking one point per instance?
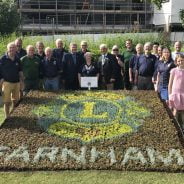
(79, 16)
(168, 16)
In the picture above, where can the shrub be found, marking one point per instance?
(93, 40)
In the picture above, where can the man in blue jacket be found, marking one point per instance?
(11, 76)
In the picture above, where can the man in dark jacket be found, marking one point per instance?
(58, 54)
(71, 63)
(20, 51)
(145, 69)
(51, 71)
(107, 65)
(59, 51)
(84, 48)
(11, 76)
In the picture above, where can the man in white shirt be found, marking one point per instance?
(177, 48)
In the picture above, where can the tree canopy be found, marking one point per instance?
(158, 3)
(9, 16)
(182, 16)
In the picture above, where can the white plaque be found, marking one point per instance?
(89, 82)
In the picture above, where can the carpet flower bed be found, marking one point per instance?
(91, 116)
(91, 130)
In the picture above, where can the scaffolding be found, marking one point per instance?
(82, 16)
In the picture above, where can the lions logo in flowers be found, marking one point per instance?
(90, 116)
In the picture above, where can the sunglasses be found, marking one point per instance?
(115, 50)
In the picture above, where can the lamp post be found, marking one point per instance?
(145, 14)
(47, 22)
(51, 21)
(53, 26)
(168, 24)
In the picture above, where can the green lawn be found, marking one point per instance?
(91, 177)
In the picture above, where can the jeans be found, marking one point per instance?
(51, 84)
(164, 93)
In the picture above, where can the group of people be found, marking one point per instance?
(145, 67)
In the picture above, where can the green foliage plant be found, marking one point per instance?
(9, 17)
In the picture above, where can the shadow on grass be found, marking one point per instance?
(16, 122)
(35, 100)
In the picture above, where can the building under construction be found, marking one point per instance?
(84, 16)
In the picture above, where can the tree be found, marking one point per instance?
(9, 16)
(158, 3)
(182, 16)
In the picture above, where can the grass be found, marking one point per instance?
(91, 177)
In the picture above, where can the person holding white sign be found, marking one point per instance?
(89, 69)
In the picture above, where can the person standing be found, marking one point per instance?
(11, 77)
(160, 49)
(176, 90)
(145, 69)
(89, 68)
(127, 54)
(107, 65)
(31, 69)
(133, 64)
(177, 49)
(84, 48)
(51, 71)
(20, 51)
(40, 50)
(119, 82)
(41, 55)
(71, 63)
(164, 67)
(159, 56)
(155, 49)
(59, 51)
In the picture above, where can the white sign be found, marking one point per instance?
(89, 82)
